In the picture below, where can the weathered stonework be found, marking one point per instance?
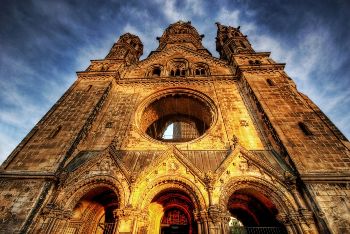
(263, 154)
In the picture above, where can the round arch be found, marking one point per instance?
(170, 194)
(75, 192)
(177, 183)
(156, 112)
(276, 194)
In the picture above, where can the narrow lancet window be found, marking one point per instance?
(270, 82)
(305, 129)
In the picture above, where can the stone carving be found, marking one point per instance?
(234, 141)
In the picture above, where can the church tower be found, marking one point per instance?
(180, 142)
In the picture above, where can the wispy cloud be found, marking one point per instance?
(186, 10)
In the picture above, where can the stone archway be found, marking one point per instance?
(94, 212)
(170, 196)
(171, 212)
(253, 211)
(256, 205)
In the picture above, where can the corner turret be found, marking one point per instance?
(230, 40)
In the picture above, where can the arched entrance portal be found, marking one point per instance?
(253, 212)
(94, 212)
(172, 212)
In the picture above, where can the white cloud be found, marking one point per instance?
(234, 19)
(181, 10)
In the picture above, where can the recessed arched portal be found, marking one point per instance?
(94, 212)
(172, 211)
(253, 212)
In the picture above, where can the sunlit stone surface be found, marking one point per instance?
(180, 142)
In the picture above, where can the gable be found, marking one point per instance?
(165, 58)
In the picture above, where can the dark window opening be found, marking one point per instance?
(176, 118)
(156, 71)
(200, 71)
(305, 129)
(270, 82)
(256, 62)
(242, 44)
(178, 72)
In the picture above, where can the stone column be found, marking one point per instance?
(130, 220)
(286, 221)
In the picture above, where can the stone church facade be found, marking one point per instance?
(248, 151)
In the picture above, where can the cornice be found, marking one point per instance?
(28, 175)
(326, 177)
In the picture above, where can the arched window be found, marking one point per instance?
(88, 88)
(200, 71)
(156, 71)
(305, 129)
(178, 67)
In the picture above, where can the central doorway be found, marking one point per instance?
(174, 221)
(175, 213)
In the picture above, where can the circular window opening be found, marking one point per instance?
(177, 117)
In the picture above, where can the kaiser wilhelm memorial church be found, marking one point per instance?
(180, 142)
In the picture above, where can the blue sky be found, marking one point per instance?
(43, 43)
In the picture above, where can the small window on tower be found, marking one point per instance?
(305, 129)
(133, 44)
(270, 82)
